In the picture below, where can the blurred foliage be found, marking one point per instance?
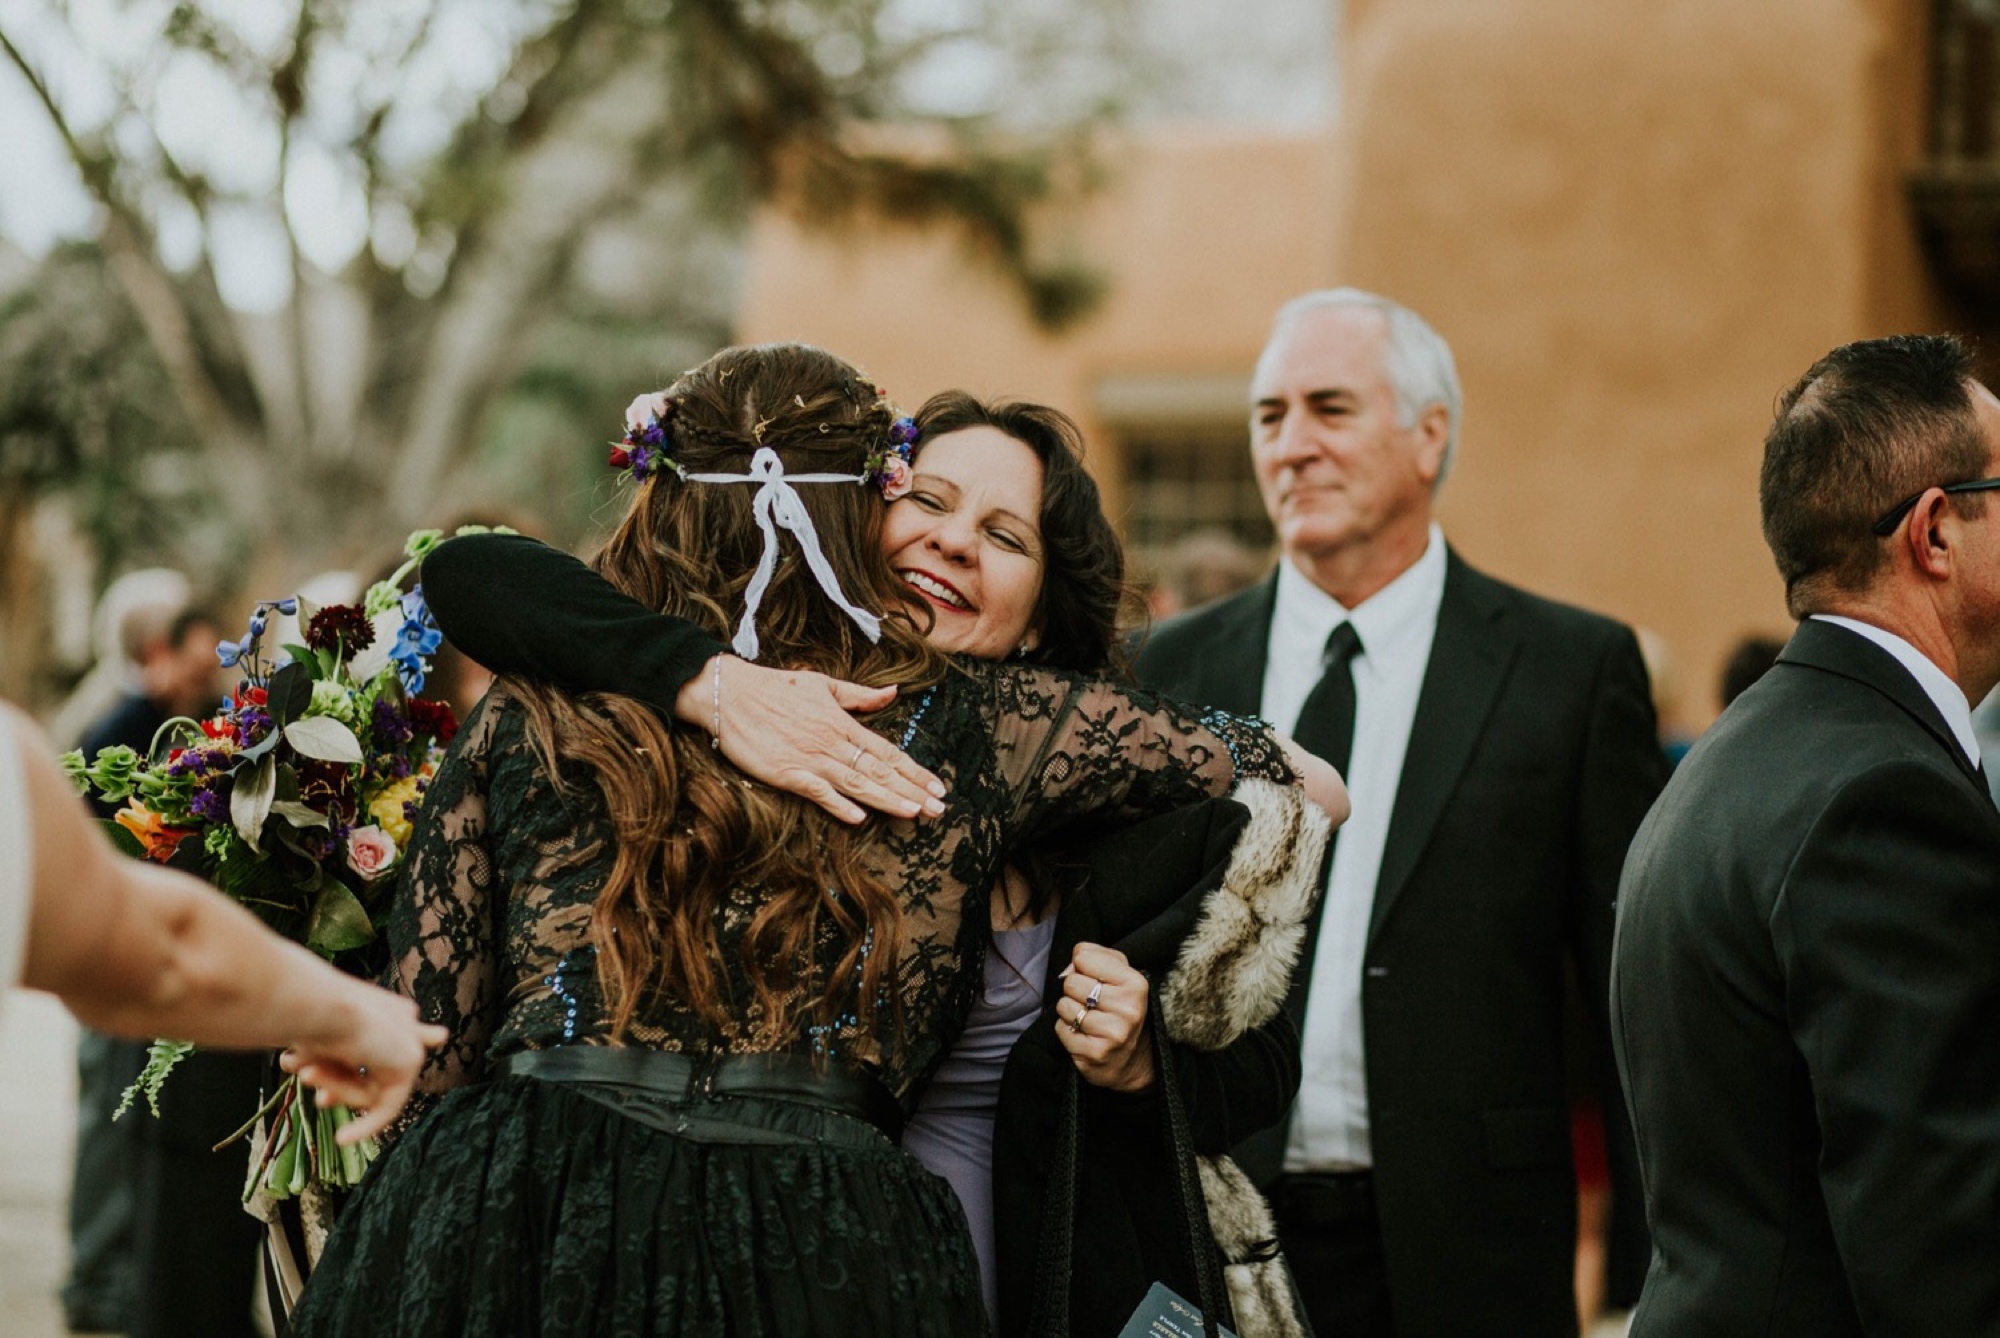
(484, 222)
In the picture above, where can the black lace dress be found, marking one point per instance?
(518, 1206)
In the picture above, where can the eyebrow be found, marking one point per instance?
(1316, 398)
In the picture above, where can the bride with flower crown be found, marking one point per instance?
(689, 1014)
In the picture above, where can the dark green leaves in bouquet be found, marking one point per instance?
(290, 691)
(339, 921)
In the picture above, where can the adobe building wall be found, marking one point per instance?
(1203, 233)
(1635, 224)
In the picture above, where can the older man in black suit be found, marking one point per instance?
(1807, 984)
(1500, 749)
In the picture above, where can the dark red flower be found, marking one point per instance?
(434, 718)
(340, 624)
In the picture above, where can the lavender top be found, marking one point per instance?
(951, 1133)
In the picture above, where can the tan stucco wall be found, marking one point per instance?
(1635, 224)
(1198, 256)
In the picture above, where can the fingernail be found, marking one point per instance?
(935, 807)
(936, 788)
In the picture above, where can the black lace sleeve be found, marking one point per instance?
(1071, 747)
(518, 606)
(444, 929)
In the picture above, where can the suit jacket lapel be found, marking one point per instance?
(1230, 674)
(1838, 650)
(1470, 657)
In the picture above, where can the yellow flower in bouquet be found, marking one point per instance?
(388, 811)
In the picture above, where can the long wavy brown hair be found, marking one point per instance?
(687, 826)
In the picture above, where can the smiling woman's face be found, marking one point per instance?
(967, 540)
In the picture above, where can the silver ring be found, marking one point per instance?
(859, 750)
(1096, 988)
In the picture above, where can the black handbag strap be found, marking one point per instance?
(1187, 1178)
(1056, 1246)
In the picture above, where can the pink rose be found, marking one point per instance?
(895, 474)
(371, 852)
(646, 410)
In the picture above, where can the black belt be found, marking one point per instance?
(1312, 1199)
(690, 1080)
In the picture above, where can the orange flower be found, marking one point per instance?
(160, 841)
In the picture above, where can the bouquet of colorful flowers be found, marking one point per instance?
(296, 798)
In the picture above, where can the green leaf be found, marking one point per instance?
(324, 739)
(289, 693)
(250, 799)
(338, 920)
(300, 654)
(299, 815)
(161, 1056)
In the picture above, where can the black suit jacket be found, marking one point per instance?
(1532, 758)
(1807, 1005)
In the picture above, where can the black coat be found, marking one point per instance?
(1533, 757)
(1807, 998)
(1168, 893)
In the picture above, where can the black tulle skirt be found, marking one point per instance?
(524, 1207)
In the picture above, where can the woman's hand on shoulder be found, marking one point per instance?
(794, 730)
(1101, 1019)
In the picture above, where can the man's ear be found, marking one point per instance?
(1433, 433)
(1926, 534)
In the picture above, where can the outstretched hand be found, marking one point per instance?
(371, 1064)
(795, 730)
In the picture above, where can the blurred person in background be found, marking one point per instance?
(1751, 659)
(162, 653)
(132, 610)
(1201, 567)
(1500, 749)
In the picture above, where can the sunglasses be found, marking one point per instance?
(1894, 515)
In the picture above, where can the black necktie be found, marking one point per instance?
(1326, 721)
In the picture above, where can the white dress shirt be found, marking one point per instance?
(1937, 685)
(1396, 626)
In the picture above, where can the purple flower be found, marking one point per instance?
(209, 806)
(642, 463)
(389, 726)
(903, 432)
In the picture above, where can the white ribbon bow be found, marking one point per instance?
(777, 506)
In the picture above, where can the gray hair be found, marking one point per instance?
(1415, 358)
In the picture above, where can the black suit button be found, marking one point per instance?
(1378, 973)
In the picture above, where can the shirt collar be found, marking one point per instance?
(1407, 604)
(1937, 685)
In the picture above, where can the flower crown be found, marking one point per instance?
(649, 431)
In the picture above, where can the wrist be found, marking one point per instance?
(694, 704)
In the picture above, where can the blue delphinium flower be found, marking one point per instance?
(419, 637)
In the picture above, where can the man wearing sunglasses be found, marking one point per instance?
(1806, 978)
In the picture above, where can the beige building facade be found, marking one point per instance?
(1635, 225)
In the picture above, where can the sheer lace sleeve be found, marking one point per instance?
(1070, 747)
(444, 934)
